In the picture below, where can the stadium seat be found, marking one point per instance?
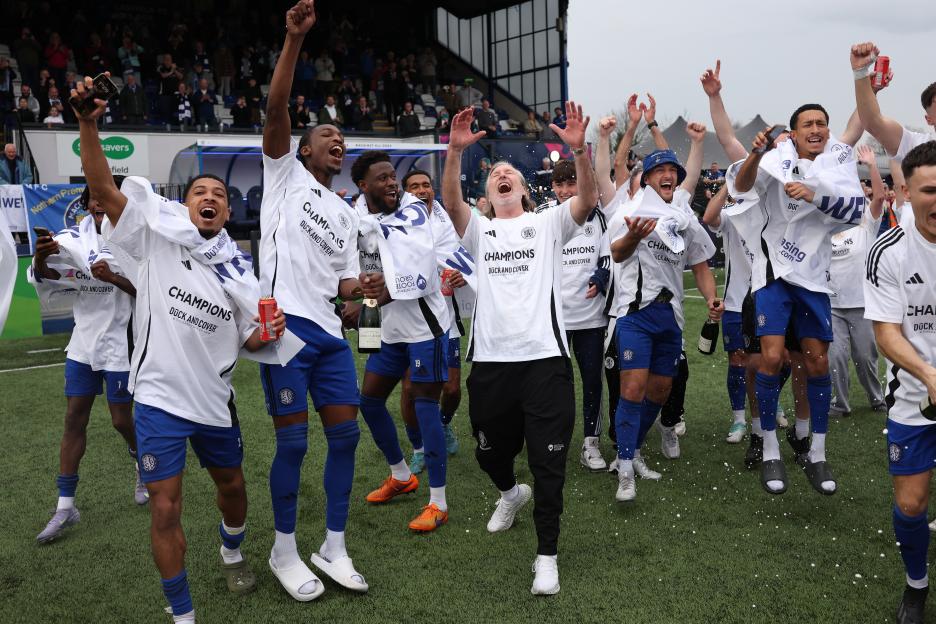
(240, 223)
(254, 197)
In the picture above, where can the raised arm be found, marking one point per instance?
(886, 130)
(712, 216)
(747, 175)
(650, 117)
(93, 162)
(460, 138)
(634, 115)
(276, 137)
(696, 132)
(573, 135)
(899, 183)
(853, 129)
(606, 188)
(711, 84)
(866, 156)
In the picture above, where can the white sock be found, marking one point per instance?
(738, 416)
(418, 450)
(636, 456)
(185, 618)
(228, 555)
(333, 547)
(437, 496)
(772, 451)
(627, 466)
(510, 495)
(922, 583)
(817, 448)
(755, 426)
(400, 471)
(285, 552)
(65, 502)
(802, 428)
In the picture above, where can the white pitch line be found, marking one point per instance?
(13, 370)
(42, 351)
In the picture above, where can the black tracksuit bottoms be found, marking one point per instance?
(534, 402)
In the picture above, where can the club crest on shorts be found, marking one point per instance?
(609, 362)
(627, 355)
(287, 396)
(528, 232)
(761, 320)
(894, 452)
(148, 462)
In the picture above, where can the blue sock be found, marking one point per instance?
(447, 418)
(427, 412)
(177, 593)
(339, 472)
(737, 387)
(415, 436)
(382, 428)
(67, 484)
(913, 536)
(819, 395)
(627, 424)
(291, 445)
(648, 413)
(231, 542)
(767, 391)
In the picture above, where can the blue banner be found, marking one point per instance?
(53, 206)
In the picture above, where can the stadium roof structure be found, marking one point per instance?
(466, 9)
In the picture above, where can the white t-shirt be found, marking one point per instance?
(308, 242)
(406, 320)
(518, 313)
(580, 257)
(653, 266)
(908, 140)
(101, 310)
(189, 332)
(615, 213)
(900, 287)
(849, 251)
(738, 261)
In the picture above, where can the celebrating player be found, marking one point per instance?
(520, 385)
(97, 351)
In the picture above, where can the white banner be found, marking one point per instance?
(126, 154)
(14, 207)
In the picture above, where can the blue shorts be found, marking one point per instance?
(425, 360)
(324, 368)
(81, 381)
(780, 304)
(161, 441)
(910, 449)
(732, 332)
(649, 338)
(454, 353)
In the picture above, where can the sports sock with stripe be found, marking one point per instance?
(912, 534)
(67, 485)
(177, 594)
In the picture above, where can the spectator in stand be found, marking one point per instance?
(448, 97)
(444, 121)
(169, 76)
(14, 170)
(200, 57)
(240, 113)
(299, 113)
(254, 100)
(547, 134)
(367, 64)
(481, 176)
(559, 119)
(133, 102)
(330, 113)
(45, 82)
(713, 179)
(26, 92)
(484, 208)
(347, 96)
(377, 83)
(362, 118)
(23, 112)
(97, 57)
(54, 117)
(246, 70)
(129, 56)
(52, 102)
(408, 121)
(204, 100)
(324, 73)
(183, 101)
(487, 118)
(56, 57)
(407, 86)
(305, 75)
(7, 92)
(223, 64)
(393, 92)
(28, 54)
(196, 75)
(427, 63)
(467, 95)
(532, 126)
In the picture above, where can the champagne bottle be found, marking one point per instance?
(369, 327)
(708, 337)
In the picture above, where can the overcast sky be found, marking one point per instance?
(775, 56)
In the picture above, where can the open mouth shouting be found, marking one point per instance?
(208, 212)
(504, 187)
(337, 150)
(666, 186)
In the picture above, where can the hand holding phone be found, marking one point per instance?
(103, 88)
(772, 135)
(41, 231)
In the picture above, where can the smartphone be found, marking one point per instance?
(103, 89)
(772, 136)
(41, 231)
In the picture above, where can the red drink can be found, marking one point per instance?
(447, 290)
(266, 309)
(881, 69)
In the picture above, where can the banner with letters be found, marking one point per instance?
(126, 154)
(14, 207)
(52, 206)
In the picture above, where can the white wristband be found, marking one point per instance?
(864, 72)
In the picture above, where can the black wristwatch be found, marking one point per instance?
(652, 124)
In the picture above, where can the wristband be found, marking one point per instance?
(578, 151)
(864, 72)
(652, 124)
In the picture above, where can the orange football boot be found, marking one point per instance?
(392, 487)
(429, 519)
